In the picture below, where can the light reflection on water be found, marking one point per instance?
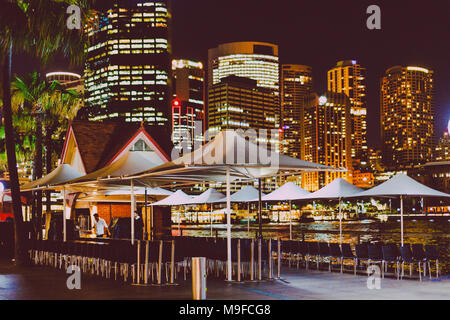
(428, 232)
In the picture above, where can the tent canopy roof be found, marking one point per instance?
(176, 199)
(61, 174)
(245, 159)
(209, 196)
(124, 195)
(140, 191)
(288, 191)
(401, 185)
(338, 188)
(246, 194)
(229, 148)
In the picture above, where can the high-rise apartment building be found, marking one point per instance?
(238, 103)
(442, 152)
(407, 118)
(326, 137)
(349, 77)
(296, 84)
(128, 63)
(188, 111)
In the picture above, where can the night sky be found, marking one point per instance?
(319, 33)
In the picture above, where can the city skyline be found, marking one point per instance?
(224, 150)
(395, 44)
(302, 40)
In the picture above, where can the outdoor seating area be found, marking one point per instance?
(389, 257)
(159, 262)
(166, 262)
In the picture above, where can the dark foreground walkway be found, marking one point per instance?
(46, 283)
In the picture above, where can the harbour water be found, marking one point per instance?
(424, 232)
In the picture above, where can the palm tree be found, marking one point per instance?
(30, 93)
(37, 27)
(58, 111)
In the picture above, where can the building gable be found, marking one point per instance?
(90, 146)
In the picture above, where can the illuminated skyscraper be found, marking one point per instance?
(349, 77)
(257, 61)
(128, 64)
(296, 83)
(407, 125)
(254, 60)
(238, 103)
(188, 114)
(442, 152)
(326, 137)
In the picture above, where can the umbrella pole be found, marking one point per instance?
(146, 216)
(421, 204)
(401, 218)
(229, 265)
(259, 209)
(132, 211)
(340, 222)
(290, 220)
(248, 218)
(64, 215)
(179, 218)
(210, 219)
(151, 223)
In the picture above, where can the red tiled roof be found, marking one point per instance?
(99, 142)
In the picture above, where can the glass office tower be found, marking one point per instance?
(128, 64)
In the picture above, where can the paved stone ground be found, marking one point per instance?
(46, 283)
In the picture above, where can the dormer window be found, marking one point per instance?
(140, 145)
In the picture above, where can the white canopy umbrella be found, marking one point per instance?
(141, 191)
(401, 186)
(287, 192)
(245, 194)
(124, 195)
(209, 196)
(62, 174)
(176, 199)
(337, 189)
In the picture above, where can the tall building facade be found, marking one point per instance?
(348, 77)
(296, 83)
(442, 152)
(128, 64)
(326, 137)
(188, 107)
(407, 118)
(254, 60)
(238, 103)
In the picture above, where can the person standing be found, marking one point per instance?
(138, 226)
(100, 226)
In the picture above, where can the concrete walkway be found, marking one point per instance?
(46, 283)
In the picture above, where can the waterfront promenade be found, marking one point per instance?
(45, 283)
